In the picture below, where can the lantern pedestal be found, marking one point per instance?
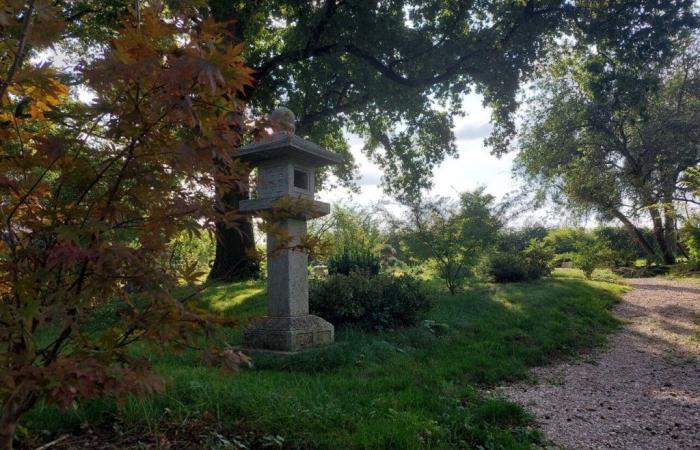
(288, 327)
(288, 334)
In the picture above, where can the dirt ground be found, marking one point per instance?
(641, 392)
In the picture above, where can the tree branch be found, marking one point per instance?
(21, 49)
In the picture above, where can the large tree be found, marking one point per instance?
(617, 133)
(393, 72)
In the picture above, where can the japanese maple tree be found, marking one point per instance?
(91, 194)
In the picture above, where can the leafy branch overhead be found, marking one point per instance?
(394, 72)
(93, 194)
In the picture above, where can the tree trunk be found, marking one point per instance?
(660, 236)
(235, 258)
(670, 227)
(637, 235)
(19, 402)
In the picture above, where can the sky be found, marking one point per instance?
(474, 166)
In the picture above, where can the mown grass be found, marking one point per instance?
(411, 388)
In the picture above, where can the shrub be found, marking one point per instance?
(540, 260)
(519, 239)
(691, 237)
(624, 249)
(454, 236)
(507, 267)
(375, 303)
(567, 240)
(590, 257)
(532, 264)
(354, 260)
(191, 249)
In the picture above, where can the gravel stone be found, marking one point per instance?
(647, 380)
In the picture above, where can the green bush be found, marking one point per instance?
(561, 258)
(690, 234)
(624, 249)
(567, 240)
(532, 264)
(376, 303)
(507, 267)
(354, 260)
(590, 257)
(518, 239)
(540, 260)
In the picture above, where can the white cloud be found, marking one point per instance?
(473, 167)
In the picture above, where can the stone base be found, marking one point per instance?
(288, 334)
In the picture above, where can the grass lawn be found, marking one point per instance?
(412, 388)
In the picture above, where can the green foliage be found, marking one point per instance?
(507, 267)
(691, 240)
(453, 236)
(624, 250)
(592, 256)
(540, 260)
(413, 388)
(519, 239)
(389, 260)
(567, 239)
(374, 303)
(533, 263)
(191, 249)
(348, 227)
(354, 259)
(636, 134)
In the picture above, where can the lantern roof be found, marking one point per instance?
(283, 146)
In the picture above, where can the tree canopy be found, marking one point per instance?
(394, 72)
(617, 135)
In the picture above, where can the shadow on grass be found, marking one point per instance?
(409, 388)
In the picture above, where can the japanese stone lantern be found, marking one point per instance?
(286, 167)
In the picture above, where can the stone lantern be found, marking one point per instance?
(286, 167)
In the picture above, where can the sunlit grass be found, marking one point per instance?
(221, 298)
(410, 388)
(604, 275)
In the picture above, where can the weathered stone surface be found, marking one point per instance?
(287, 280)
(315, 208)
(286, 171)
(285, 145)
(288, 334)
(281, 177)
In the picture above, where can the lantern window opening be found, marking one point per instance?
(301, 179)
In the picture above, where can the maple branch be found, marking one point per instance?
(31, 189)
(21, 49)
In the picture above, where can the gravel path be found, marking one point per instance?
(641, 392)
